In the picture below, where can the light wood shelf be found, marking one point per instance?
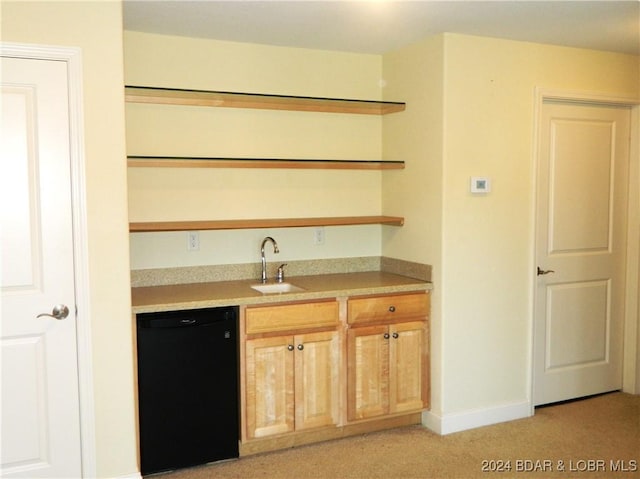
(155, 226)
(210, 162)
(174, 96)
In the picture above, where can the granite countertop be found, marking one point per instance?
(230, 293)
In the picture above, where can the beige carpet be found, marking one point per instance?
(597, 437)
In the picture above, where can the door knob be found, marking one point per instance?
(544, 271)
(59, 311)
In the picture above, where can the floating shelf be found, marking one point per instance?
(263, 223)
(174, 96)
(204, 162)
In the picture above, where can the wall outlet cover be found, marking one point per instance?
(318, 235)
(193, 241)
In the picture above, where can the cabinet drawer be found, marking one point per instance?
(388, 308)
(290, 317)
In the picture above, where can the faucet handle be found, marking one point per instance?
(280, 274)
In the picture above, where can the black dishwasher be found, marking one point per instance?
(187, 387)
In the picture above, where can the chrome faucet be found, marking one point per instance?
(264, 261)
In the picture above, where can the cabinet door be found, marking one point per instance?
(270, 387)
(316, 379)
(408, 372)
(368, 372)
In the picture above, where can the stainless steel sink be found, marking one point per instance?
(276, 288)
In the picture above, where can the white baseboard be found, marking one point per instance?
(449, 423)
(134, 475)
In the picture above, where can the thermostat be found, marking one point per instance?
(480, 184)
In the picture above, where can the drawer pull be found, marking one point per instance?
(392, 309)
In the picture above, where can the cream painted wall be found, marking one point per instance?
(96, 27)
(182, 62)
(487, 260)
(415, 74)
(631, 373)
(470, 112)
(151, 250)
(636, 180)
(182, 194)
(481, 246)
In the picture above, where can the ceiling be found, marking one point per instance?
(378, 26)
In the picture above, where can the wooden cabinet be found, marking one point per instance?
(319, 370)
(291, 368)
(408, 372)
(387, 349)
(269, 386)
(316, 379)
(368, 372)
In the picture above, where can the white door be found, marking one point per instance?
(40, 398)
(580, 250)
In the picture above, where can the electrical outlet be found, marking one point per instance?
(318, 235)
(193, 241)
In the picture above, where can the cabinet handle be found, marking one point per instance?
(290, 347)
(392, 309)
(395, 335)
(300, 347)
(386, 336)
